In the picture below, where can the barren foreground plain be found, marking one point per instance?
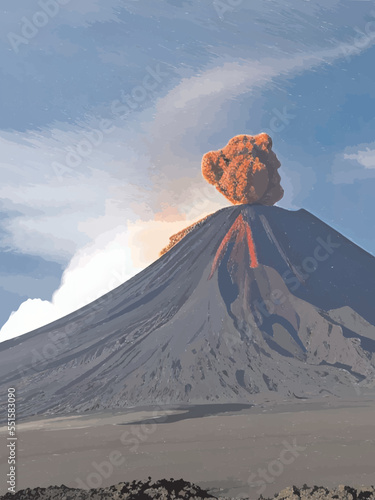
(227, 449)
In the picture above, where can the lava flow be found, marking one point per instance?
(241, 231)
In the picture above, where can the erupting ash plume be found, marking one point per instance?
(245, 171)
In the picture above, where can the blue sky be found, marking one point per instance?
(109, 106)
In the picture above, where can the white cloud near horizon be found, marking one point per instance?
(94, 270)
(365, 157)
(137, 184)
(356, 163)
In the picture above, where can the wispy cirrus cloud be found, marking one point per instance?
(166, 155)
(142, 182)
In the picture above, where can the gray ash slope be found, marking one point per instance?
(299, 323)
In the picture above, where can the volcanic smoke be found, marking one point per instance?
(245, 171)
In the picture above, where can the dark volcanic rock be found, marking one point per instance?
(143, 490)
(182, 490)
(320, 493)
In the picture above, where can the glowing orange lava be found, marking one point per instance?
(241, 230)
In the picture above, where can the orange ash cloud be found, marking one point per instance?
(245, 170)
(175, 238)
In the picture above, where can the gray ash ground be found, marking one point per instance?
(179, 489)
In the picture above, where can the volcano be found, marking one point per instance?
(253, 300)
